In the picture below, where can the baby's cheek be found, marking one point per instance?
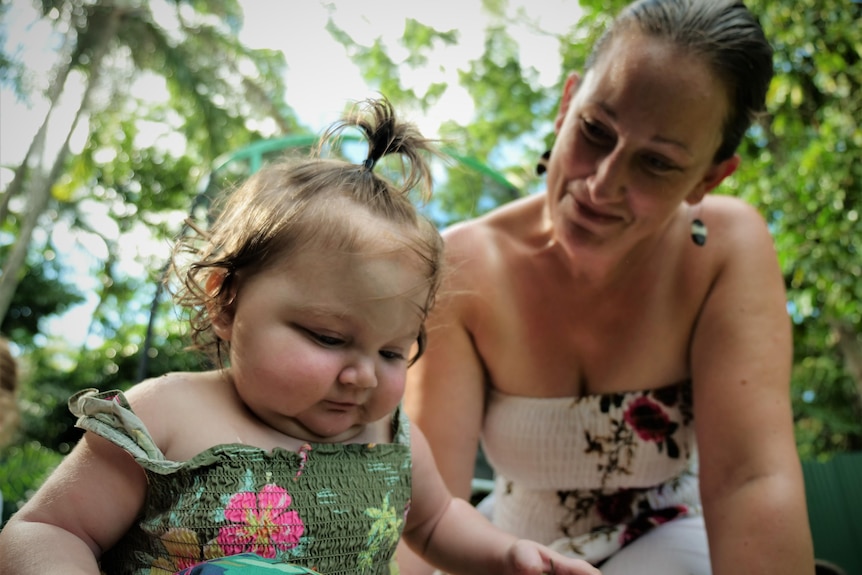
(391, 392)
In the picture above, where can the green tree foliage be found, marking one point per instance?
(211, 101)
(802, 170)
(382, 72)
(40, 295)
(11, 71)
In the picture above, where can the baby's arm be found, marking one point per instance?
(83, 508)
(452, 535)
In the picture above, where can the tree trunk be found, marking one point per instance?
(39, 192)
(850, 345)
(37, 145)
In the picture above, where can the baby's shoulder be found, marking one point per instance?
(169, 403)
(158, 392)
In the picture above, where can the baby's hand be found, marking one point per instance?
(530, 558)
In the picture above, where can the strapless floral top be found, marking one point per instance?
(589, 475)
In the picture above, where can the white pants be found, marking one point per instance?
(678, 547)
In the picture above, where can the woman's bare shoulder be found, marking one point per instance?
(745, 252)
(733, 218)
(481, 241)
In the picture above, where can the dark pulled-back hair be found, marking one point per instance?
(726, 34)
(297, 203)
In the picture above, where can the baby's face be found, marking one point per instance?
(320, 345)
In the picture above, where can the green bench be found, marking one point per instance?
(834, 493)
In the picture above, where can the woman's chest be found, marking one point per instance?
(554, 342)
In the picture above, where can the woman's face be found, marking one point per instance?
(320, 345)
(635, 138)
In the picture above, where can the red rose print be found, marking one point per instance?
(648, 420)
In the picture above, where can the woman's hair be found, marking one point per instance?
(9, 411)
(8, 367)
(726, 34)
(300, 202)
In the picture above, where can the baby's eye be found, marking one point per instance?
(391, 355)
(326, 340)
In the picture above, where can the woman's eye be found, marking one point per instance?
(596, 133)
(658, 165)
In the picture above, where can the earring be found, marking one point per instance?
(542, 164)
(698, 232)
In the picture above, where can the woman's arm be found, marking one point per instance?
(445, 391)
(83, 508)
(750, 474)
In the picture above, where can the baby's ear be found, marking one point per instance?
(220, 305)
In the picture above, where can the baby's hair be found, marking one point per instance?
(307, 202)
(387, 136)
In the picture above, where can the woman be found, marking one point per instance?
(620, 343)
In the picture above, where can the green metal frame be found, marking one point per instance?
(254, 153)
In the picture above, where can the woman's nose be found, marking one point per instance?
(359, 373)
(606, 185)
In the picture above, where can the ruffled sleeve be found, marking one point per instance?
(109, 415)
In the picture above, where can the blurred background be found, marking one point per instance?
(120, 118)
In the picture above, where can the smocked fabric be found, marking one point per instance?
(589, 475)
(332, 508)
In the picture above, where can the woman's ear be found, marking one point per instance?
(714, 176)
(220, 306)
(569, 89)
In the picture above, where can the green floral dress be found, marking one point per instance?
(332, 508)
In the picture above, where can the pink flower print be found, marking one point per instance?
(262, 523)
(649, 420)
(651, 423)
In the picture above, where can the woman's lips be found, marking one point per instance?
(597, 216)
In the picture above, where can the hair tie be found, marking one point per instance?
(369, 163)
